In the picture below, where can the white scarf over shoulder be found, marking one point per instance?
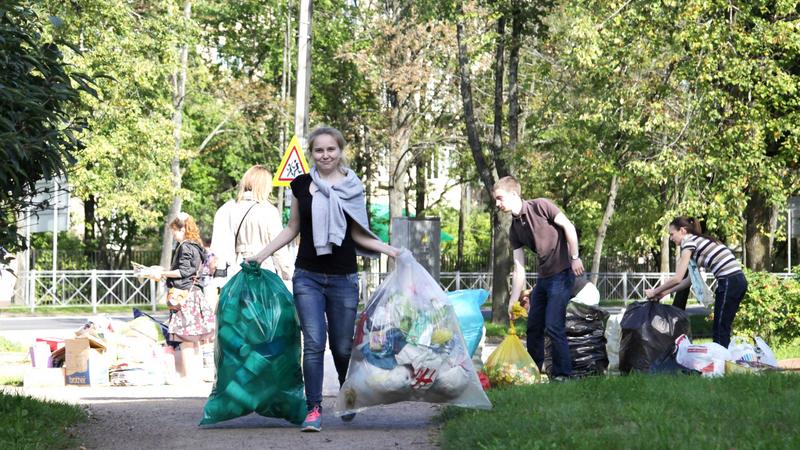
(328, 208)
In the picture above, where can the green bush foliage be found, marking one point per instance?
(770, 309)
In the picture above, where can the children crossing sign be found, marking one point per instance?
(293, 164)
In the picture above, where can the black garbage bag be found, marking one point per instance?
(649, 330)
(668, 364)
(585, 326)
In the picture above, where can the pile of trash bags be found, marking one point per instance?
(258, 351)
(649, 331)
(408, 347)
(585, 325)
(712, 360)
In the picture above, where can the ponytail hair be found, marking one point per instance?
(691, 225)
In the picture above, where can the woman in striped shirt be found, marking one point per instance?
(716, 258)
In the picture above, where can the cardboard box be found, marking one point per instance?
(43, 377)
(85, 363)
(747, 367)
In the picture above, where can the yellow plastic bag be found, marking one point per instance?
(518, 311)
(510, 364)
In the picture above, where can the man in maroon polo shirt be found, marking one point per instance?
(539, 225)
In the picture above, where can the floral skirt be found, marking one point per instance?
(196, 321)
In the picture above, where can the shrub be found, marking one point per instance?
(770, 309)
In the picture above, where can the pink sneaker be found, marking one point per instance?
(313, 420)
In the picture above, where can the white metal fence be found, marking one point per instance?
(120, 287)
(93, 288)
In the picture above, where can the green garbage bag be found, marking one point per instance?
(257, 352)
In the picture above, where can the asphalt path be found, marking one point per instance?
(167, 416)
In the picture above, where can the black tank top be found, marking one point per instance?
(343, 258)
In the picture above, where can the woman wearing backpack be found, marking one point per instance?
(329, 213)
(716, 258)
(192, 320)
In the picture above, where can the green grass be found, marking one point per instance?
(7, 346)
(11, 381)
(496, 330)
(788, 350)
(76, 310)
(744, 411)
(34, 424)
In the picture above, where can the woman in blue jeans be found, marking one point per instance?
(715, 257)
(329, 213)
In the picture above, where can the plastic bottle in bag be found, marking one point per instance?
(408, 346)
(257, 357)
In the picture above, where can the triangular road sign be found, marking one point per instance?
(293, 164)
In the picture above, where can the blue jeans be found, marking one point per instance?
(729, 294)
(548, 313)
(318, 296)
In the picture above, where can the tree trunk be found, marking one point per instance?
(484, 171)
(499, 69)
(601, 230)
(461, 213)
(88, 213)
(178, 97)
(89, 243)
(671, 199)
(757, 215)
(421, 173)
(513, 83)
(775, 211)
(500, 246)
(665, 246)
(501, 268)
(399, 160)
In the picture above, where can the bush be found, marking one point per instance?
(702, 326)
(71, 252)
(770, 309)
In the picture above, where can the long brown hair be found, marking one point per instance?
(691, 225)
(185, 221)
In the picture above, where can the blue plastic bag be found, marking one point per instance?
(467, 304)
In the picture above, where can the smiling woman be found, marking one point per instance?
(327, 149)
(329, 213)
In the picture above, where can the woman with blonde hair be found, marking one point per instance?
(245, 225)
(330, 216)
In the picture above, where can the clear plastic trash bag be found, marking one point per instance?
(408, 347)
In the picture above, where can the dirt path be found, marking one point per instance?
(135, 423)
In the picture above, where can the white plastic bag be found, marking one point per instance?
(613, 335)
(699, 287)
(409, 347)
(709, 359)
(767, 356)
(589, 295)
(741, 350)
